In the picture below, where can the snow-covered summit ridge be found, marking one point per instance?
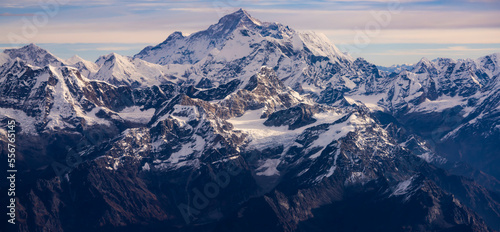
(34, 55)
(122, 70)
(112, 68)
(195, 47)
(230, 22)
(74, 59)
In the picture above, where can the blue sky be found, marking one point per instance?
(384, 32)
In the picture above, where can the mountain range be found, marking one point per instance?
(252, 126)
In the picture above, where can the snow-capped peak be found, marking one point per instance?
(320, 45)
(74, 59)
(228, 24)
(424, 61)
(240, 17)
(179, 49)
(34, 55)
(424, 66)
(174, 36)
(86, 68)
(111, 58)
(240, 44)
(490, 63)
(123, 70)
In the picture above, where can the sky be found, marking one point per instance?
(384, 32)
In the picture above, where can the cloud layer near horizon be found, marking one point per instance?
(151, 21)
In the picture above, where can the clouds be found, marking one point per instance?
(435, 28)
(407, 19)
(421, 52)
(97, 48)
(114, 24)
(430, 36)
(39, 3)
(14, 15)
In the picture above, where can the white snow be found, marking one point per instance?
(320, 45)
(335, 132)
(4, 58)
(181, 114)
(135, 114)
(269, 168)
(3, 133)
(262, 136)
(74, 59)
(348, 83)
(185, 151)
(356, 177)
(65, 106)
(297, 43)
(35, 56)
(253, 125)
(184, 114)
(92, 119)
(438, 105)
(310, 88)
(235, 48)
(427, 156)
(330, 171)
(26, 122)
(402, 188)
(146, 167)
(118, 69)
(179, 158)
(86, 68)
(370, 101)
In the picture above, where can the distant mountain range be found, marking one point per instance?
(252, 126)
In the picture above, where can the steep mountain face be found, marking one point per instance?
(4, 57)
(397, 68)
(442, 80)
(120, 70)
(250, 126)
(56, 98)
(85, 67)
(238, 45)
(453, 105)
(430, 98)
(34, 55)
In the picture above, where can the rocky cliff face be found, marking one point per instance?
(251, 126)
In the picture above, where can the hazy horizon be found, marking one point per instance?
(381, 31)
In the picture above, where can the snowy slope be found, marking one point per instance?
(121, 70)
(238, 45)
(34, 55)
(435, 85)
(86, 68)
(4, 58)
(55, 98)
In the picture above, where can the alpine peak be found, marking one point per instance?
(231, 22)
(240, 16)
(34, 55)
